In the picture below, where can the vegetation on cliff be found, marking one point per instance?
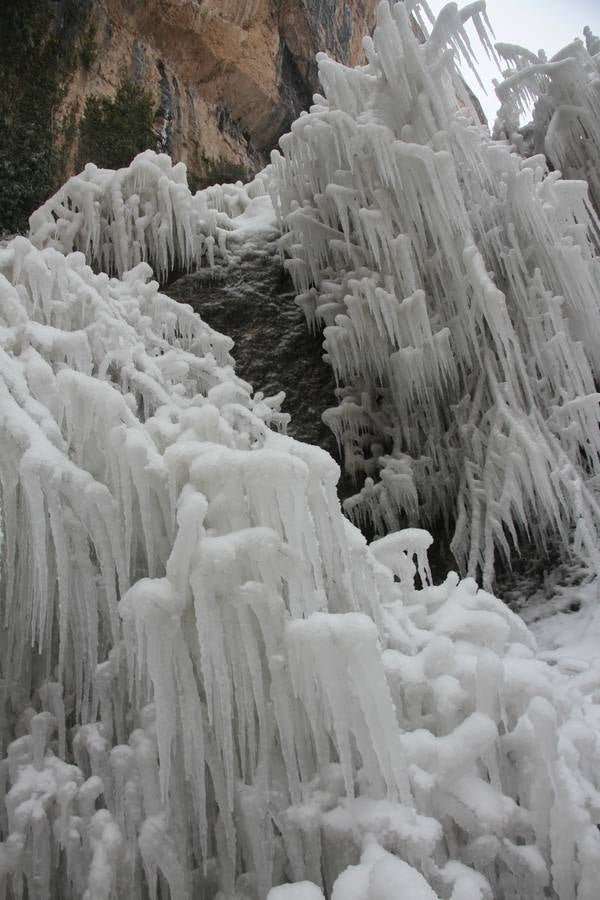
(32, 69)
(113, 131)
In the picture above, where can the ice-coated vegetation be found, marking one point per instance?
(457, 286)
(210, 684)
(565, 94)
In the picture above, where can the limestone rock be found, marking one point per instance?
(227, 77)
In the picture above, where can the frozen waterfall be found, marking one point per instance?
(210, 684)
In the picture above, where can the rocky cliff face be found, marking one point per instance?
(250, 298)
(226, 77)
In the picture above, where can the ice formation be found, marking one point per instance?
(210, 684)
(209, 681)
(143, 213)
(565, 94)
(457, 286)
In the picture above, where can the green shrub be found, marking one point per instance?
(87, 49)
(33, 67)
(113, 131)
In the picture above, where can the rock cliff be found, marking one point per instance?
(226, 77)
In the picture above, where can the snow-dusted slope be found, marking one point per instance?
(210, 683)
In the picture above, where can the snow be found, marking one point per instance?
(567, 627)
(212, 685)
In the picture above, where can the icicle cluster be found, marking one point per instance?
(565, 94)
(142, 213)
(210, 685)
(457, 287)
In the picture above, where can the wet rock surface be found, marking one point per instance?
(251, 299)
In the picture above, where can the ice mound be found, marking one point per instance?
(145, 213)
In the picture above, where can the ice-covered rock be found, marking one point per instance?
(146, 212)
(250, 297)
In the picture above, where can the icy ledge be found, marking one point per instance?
(211, 685)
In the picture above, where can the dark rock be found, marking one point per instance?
(251, 299)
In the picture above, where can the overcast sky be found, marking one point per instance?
(535, 24)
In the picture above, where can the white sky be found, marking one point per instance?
(535, 24)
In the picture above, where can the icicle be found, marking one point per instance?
(256, 694)
(429, 351)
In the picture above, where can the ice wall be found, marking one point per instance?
(457, 287)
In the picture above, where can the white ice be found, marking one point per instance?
(211, 685)
(457, 286)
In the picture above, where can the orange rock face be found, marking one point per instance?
(227, 76)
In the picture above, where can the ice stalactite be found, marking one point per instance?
(564, 93)
(211, 685)
(457, 286)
